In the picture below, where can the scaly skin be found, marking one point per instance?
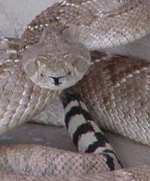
(97, 24)
(77, 21)
(14, 158)
(20, 100)
(114, 96)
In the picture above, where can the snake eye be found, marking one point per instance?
(41, 75)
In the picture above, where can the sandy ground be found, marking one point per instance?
(14, 15)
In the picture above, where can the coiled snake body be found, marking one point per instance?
(55, 55)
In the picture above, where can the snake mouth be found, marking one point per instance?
(56, 80)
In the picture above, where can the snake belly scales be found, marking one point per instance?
(55, 52)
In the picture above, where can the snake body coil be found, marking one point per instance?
(55, 54)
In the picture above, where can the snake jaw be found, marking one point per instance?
(54, 82)
(57, 78)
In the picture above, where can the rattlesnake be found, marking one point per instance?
(23, 105)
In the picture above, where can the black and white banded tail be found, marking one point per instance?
(86, 135)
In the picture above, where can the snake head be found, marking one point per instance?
(56, 65)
